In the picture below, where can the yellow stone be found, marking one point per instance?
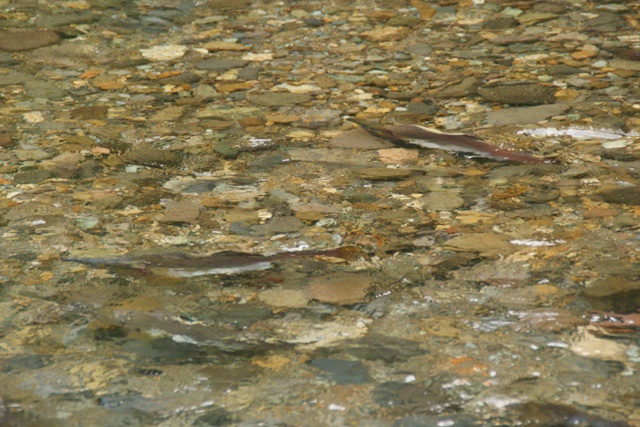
(220, 45)
(272, 362)
(566, 94)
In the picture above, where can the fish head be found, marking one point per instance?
(376, 129)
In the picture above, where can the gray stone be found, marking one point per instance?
(625, 64)
(60, 19)
(268, 160)
(279, 224)
(42, 89)
(220, 65)
(624, 195)
(422, 49)
(442, 201)
(342, 371)
(31, 176)
(154, 157)
(524, 115)
(226, 150)
(14, 78)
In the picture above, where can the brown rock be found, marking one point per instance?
(6, 140)
(600, 213)
(168, 114)
(624, 195)
(220, 45)
(340, 288)
(90, 113)
(235, 86)
(184, 211)
(383, 174)
(65, 165)
(16, 41)
(584, 54)
(397, 155)
(384, 34)
(611, 286)
(108, 84)
(281, 117)
(289, 298)
(105, 199)
(519, 94)
(487, 244)
(278, 98)
(251, 121)
(325, 81)
(148, 156)
(567, 94)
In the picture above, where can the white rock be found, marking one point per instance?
(166, 52)
(258, 57)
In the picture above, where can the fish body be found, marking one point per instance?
(223, 263)
(458, 142)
